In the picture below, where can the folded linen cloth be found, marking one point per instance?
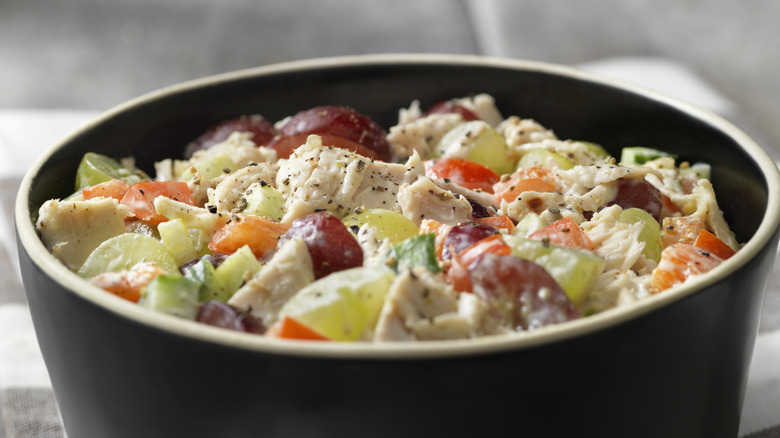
(27, 405)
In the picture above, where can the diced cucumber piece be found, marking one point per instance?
(650, 234)
(575, 270)
(343, 305)
(637, 155)
(541, 157)
(176, 237)
(529, 224)
(388, 224)
(171, 294)
(262, 199)
(96, 168)
(416, 251)
(479, 142)
(237, 269)
(205, 274)
(701, 170)
(124, 251)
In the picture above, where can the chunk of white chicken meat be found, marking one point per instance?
(617, 242)
(374, 248)
(71, 230)
(423, 199)
(483, 106)
(421, 134)
(420, 307)
(288, 271)
(519, 132)
(318, 177)
(228, 194)
(708, 210)
(615, 288)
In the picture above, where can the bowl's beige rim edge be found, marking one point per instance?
(428, 349)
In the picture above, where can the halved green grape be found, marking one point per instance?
(650, 234)
(541, 157)
(176, 237)
(388, 224)
(343, 305)
(171, 294)
(594, 148)
(124, 251)
(96, 168)
(262, 199)
(479, 142)
(638, 155)
(575, 270)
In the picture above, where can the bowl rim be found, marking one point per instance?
(30, 241)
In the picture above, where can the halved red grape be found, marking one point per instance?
(520, 291)
(638, 193)
(453, 107)
(223, 315)
(262, 132)
(331, 245)
(335, 121)
(463, 235)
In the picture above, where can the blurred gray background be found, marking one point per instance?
(94, 54)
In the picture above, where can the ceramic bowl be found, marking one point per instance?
(672, 365)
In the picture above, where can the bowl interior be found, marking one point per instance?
(573, 104)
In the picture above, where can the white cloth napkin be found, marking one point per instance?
(27, 406)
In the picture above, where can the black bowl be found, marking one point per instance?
(672, 365)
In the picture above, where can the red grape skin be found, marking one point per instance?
(219, 314)
(452, 107)
(520, 291)
(331, 246)
(463, 235)
(638, 193)
(262, 132)
(335, 122)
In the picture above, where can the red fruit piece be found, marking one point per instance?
(219, 314)
(262, 132)
(331, 246)
(638, 193)
(453, 107)
(520, 291)
(465, 234)
(335, 122)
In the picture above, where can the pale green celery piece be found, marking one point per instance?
(575, 270)
(124, 251)
(238, 268)
(171, 294)
(176, 237)
(650, 234)
(479, 142)
(529, 224)
(204, 273)
(540, 157)
(211, 167)
(343, 305)
(264, 200)
(388, 224)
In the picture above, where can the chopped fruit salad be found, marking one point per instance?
(455, 223)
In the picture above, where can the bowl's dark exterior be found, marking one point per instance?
(678, 371)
